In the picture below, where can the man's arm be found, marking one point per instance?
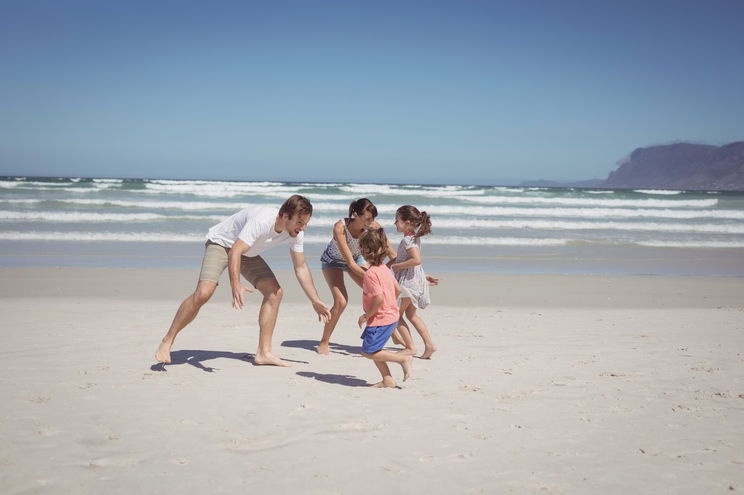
(234, 258)
(305, 278)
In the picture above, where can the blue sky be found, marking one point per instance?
(482, 92)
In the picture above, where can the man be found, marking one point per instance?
(236, 243)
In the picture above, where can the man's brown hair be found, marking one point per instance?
(296, 204)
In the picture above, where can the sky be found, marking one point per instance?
(424, 92)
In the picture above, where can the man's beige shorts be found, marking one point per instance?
(214, 263)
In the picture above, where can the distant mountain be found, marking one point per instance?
(672, 166)
(681, 166)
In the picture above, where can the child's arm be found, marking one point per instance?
(397, 290)
(376, 303)
(415, 260)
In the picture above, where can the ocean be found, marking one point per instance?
(141, 223)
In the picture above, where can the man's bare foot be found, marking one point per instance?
(428, 351)
(386, 382)
(406, 365)
(269, 360)
(408, 351)
(162, 355)
(322, 348)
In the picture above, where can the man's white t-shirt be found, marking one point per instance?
(254, 226)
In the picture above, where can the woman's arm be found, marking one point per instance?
(339, 234)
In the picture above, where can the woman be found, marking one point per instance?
(343, 255)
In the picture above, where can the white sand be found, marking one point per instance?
(561, 385)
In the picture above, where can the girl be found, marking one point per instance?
(410, 275)
(379, 294)
(343, 255)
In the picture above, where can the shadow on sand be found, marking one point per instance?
(346, 380)
(195, 358)
(312, 345)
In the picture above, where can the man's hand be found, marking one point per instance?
(237, 293)
(324, 315)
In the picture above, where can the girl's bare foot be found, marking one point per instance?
(386, 382)
(406, 365)
(163, 353)
(428, 351)
(408, 351)
(269, 359)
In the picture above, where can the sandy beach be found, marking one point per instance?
(542, 384)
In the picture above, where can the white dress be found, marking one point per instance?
(412, 281)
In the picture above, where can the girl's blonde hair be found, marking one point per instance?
(374, 246)
(420, 219)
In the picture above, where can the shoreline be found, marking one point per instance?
(455, 289)
(578, 259)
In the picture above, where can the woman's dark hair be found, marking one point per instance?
(296, 204)
(420, 219)
(373, 244)
(358, 207)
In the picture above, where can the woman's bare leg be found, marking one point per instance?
(335, 279)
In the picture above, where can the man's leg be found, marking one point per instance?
(186, 313)
(272, 298)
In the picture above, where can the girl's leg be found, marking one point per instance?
(404, 334)
(381, 358)
(420, 326)
(335, 279)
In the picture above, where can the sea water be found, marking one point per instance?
(492, 229)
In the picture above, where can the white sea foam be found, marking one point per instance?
(589, 202)
(469, 241)
(730, 228)
(76, 216)
(582, 212)
(663, 192)
(219, 189)
(694, 244)
(426, 191)
(100, 236)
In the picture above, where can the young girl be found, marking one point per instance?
(379, 294)
(343, 255)
(410, 275)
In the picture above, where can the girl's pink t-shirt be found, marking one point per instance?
(380, 280)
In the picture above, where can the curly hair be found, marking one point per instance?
(373, 244)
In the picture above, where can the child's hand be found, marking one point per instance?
(395, 268)
(362, 321)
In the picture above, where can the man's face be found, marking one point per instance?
(293, 226)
